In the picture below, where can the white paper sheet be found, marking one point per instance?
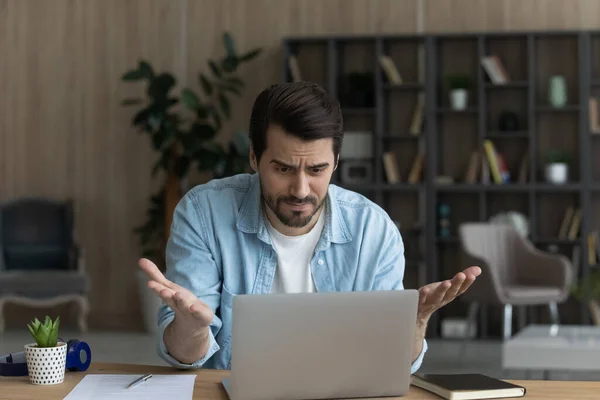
(114, 387)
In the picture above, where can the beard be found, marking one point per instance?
(293, 218)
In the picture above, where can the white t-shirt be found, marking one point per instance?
(294, 253)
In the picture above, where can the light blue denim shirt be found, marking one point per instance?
(219, 247)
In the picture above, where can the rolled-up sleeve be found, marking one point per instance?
(191, 265)
(213, 347)
(419, 361)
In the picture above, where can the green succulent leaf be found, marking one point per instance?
(46, 333)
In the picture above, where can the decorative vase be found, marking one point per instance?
(458, 99)
(558, 91)
(46, 365)
(557, 173)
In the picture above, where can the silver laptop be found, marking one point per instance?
(322, 345)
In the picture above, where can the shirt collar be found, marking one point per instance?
(251, 218)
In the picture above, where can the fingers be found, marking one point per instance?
(470, 278)
(457, 283)
(437, 297)
(153, 272)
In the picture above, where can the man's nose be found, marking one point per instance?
(300, 187)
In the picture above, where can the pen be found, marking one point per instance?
(139, 380)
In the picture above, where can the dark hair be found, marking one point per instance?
(302, 109)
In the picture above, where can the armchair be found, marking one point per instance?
(40, 263)
(514, 272)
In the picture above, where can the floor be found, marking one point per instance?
(442, 357)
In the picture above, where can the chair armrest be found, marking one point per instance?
(486, 288)
(540, 268)
(76, 259)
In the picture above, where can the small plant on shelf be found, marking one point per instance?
(47, 357)
(458, 85)
(557, 167)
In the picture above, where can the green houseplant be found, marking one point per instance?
(183, 128)
(186, 137)
(458, 85)
(47, 357)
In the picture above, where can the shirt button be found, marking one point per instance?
(320, 262)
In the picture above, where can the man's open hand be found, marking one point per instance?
(436, 295)
(191, 313)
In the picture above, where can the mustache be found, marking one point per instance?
(295, 200)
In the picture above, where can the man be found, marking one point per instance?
(283, 229)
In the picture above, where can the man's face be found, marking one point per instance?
(294, 177)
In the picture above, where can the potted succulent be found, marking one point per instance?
(47, 357)
(557, 167)
(458, 85)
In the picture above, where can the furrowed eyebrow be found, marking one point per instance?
(281, 163)
(322, 165)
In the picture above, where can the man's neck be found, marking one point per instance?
(287, 230)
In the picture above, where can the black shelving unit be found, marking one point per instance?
(449, 136)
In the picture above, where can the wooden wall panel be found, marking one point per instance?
(64, 134)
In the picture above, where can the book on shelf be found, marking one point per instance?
(566, 222)
(593, 242)
(418, 116)
(524, 169)
(498, 168)
(473, 167)
(416, 171)
(575, 225)
(485, 168)
(495, 70)
(391, 72)
(390, 165)
(571, 223)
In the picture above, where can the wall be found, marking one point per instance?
(64, 134)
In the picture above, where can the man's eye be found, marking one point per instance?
(283, 169)
(318, 170)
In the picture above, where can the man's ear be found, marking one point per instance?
(253, 160)
(337, 162)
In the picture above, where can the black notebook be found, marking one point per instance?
(467, 386)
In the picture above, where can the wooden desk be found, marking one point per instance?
(208, 385)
